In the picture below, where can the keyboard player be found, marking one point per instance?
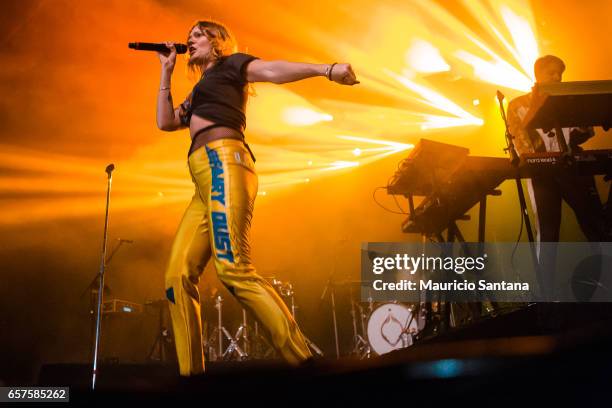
(548, 191)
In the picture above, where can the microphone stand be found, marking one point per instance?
(109, 171)
(94, 281)
(515, 161)
(92, 288)
(331, 287)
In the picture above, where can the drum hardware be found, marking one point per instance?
(219, 307)
(314, 347)
(245, 335)
(361, 347)
(438, 314)
(260, 348)
(233, 346)
(215, 348)
(158, 351)
(392, 326)
(247, 342)
(331, 288)
(233, 349)
(286, 291)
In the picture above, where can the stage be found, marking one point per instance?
(506, 359)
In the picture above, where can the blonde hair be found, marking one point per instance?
(220, 38)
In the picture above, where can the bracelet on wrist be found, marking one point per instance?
(164, 88)
(328, 72)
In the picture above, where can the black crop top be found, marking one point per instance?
(221, 95)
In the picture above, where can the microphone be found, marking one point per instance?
(109, 169)
(143, 46)
(500, 96)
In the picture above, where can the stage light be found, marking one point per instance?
(439, 101)
(476, 102)
(440, 122)
(341, 164)
(522, 44)
(497, 72)
(357, 152)
(524, 39)
(423, 57)
(391, 145)
(299, 116)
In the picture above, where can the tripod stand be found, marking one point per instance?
(158, 352)
(331, 288)
(361, 346)
(233, 350)
(287, 293)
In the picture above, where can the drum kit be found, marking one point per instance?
(247, 343)
(382, 327)
(391, 326)
(379, 328)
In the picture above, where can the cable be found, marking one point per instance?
(398, 204)
(518, 239)
(389, 182)
(382, 206)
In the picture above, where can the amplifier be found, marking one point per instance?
(121, 306)
(134, 333)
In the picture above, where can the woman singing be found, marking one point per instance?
(217, 221)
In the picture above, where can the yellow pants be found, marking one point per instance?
(217, 223)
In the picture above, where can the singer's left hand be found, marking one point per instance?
(344, 75)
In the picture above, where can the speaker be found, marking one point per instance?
(137, 337)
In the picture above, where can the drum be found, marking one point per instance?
(391, 327)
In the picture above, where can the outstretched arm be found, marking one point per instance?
(280, 72)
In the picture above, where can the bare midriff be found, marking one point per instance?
(198, 123)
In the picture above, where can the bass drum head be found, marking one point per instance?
(390, 327)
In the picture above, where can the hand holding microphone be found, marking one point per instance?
(159, 47)
(168, 59)
(165, 51)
